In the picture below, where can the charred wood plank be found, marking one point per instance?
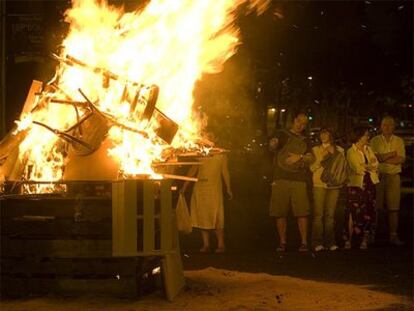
(28, 106)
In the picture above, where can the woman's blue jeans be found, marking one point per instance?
(325, 201)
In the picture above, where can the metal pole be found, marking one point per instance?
(3, 70)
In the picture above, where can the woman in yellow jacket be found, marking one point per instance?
(360, 210)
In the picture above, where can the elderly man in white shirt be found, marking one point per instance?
(390, 152)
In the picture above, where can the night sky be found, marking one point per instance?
(362, 46)
(337, 42)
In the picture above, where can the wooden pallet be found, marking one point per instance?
(74, 244)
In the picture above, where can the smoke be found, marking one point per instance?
(229, 101)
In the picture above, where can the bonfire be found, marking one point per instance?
(121, 102)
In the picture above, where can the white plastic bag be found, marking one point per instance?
(183, 216)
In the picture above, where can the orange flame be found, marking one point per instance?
(170, 44)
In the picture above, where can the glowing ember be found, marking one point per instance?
(116, 59)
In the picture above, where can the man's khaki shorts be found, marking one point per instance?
(389, 192)
(286, 194)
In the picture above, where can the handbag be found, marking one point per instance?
(335, 170)
(183, 216)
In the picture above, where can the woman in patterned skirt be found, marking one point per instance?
(360, 210)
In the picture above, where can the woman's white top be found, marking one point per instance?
(357, 160)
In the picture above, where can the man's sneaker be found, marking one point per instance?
(318, 248)
(396, 241)
(333, 248)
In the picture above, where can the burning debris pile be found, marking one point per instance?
(121, 100)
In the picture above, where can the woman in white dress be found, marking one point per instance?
(207, 210)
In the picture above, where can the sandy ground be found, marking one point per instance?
(218, 289)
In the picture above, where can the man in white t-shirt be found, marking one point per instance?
(390, 152)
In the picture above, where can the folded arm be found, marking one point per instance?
(355, 164)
